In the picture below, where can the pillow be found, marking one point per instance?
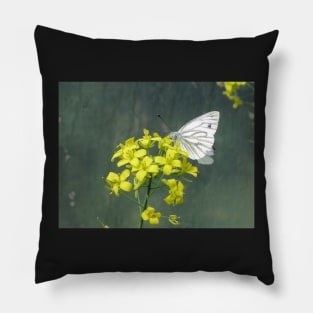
(154, 155)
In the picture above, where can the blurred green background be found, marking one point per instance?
(94, 117)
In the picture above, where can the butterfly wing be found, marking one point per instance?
(197, 137)
(206, 160)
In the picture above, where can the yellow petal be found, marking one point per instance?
(126, 186)
(176, 163)
(183, 153)
(154, 221)
(140, 153)
(147, 161)
(131, 143)
(125, 174)
(136, 168)
(145, 215)
(113, 177)
(145, 143)
(122, 162)
(193, 171)
(160, 160)
(153, 168)
(179, 200)
(169, 199)
(167, 169)
(141, 175)
(170, 182)
(115, 189)
(134, 162)
(150, 209)
(156, 137)
(116, 154)
(170, 154)
(180, 186)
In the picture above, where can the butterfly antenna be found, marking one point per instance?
(161, 118)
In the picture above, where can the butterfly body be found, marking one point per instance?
(196, 137)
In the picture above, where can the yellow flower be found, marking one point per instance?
(150, 215)
(147, 141)
(144, 168)
(117, 182)
(130, 144)
(177, 150)
(237, 102)
(231, 89)
(169, 161)
(187, 167)
(165, 143)
(176, 192)
(173, 219)
(131, 156)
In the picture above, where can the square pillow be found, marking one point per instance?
(154, 155)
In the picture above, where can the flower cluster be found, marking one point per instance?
(147, 164)
(231, 92)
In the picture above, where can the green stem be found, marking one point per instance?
(158, 185)
(145, 204)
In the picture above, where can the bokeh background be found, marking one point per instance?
(94, 117)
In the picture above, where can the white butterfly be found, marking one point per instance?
(197, 137)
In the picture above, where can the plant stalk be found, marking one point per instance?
(145, 204)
